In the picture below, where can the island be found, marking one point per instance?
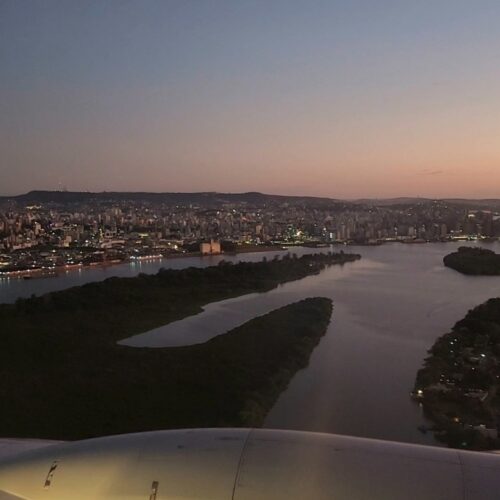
(63, 375)
(71, 387)
(118, 308)
(474, 261)
(459, 384)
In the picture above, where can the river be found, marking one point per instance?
(389, 308)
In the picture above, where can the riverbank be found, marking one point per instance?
(60, 270)
(459, 385)
(117, 308)
(71, 385)
(39, 273)
(395, 327)
(52, 272)
(63, 376)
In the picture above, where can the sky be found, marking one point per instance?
(338, 98)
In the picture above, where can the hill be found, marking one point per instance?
(201, 198)
(212, 198)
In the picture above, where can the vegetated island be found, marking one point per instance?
(62, 374)
(459, 385)
(67, 387)
(474, 261)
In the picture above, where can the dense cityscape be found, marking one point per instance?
(40, 232)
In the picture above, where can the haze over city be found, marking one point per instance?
(343, 99)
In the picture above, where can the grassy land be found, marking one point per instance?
(62, 375)
(474, 261)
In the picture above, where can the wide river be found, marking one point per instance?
(389, 308)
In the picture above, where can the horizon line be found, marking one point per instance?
(350, 199)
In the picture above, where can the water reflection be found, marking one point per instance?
(219, 317)
(13, 288)
(384, 321)
(388, 310)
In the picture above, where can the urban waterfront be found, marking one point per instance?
(388, 310)
(13, 288)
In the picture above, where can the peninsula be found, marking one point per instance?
(72, 387)
(474, 261)
(63, 375)
(459, 385)
(117, 308)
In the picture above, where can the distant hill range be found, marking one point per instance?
(203, 198)
(214, 198)
(491, 202)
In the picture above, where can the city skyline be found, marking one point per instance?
(336, 99)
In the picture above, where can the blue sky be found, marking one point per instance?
(337, 98)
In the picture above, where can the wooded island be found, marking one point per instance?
(63, 376)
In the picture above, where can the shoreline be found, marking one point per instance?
(457, 384)
(63, 349)
(474, 261)
(42, 273)
(53, 272)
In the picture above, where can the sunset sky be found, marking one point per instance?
(347, 99)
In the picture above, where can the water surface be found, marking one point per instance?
(15, 287)
(387, 314)
(389, 308)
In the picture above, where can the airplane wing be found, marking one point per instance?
(246, 464)
(12, 447)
